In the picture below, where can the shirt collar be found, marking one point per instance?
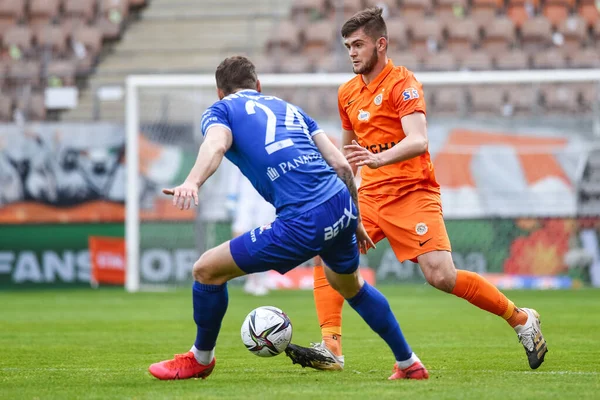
(247, 90)
(382, 75)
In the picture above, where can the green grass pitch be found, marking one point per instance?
(74, 344)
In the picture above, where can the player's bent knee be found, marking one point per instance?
(347, 292)
(348, 285)
(438, 269)
(336, 286)
(204, 272)
(199, 271)
(440, 280)
(216, 266)
(440, 275)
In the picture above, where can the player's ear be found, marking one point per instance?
(258, 87)
(220, 94)
(382, 44)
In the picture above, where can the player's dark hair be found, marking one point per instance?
(236, 72)
(370, 20)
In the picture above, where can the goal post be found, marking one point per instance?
(162, 104)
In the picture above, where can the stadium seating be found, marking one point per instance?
(587, 58)
(60, 42)
(574, 34)
(445, 35)
(498, 35)
(487, 100)
(549, 59)
(52, 43)
(508, 33)
(478, 61)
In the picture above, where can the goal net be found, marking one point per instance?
(515, 152)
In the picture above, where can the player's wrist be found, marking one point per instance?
(380, 160)
(192, 182)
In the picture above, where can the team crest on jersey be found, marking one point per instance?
(421, 228)
(378, 99)
(363, 115)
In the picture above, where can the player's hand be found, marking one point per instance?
(183, 195)
(356, 154)
(363, 239)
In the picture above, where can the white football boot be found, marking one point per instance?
(318, 356)
(530, 336)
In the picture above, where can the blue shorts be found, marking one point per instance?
(328, 230)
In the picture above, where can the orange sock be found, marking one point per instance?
(329, 305)
(481, 293)
(517, 317)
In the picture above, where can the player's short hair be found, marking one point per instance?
(370, 19)
(236, 72)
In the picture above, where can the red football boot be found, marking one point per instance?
(183, 366)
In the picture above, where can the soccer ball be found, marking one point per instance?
(266, 331)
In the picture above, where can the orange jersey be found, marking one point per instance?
(373, 112)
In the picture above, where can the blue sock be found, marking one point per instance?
(210, 304)
(374, 308)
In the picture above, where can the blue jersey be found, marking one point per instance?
(273, 147)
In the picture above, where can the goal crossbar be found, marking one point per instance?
(433, 78)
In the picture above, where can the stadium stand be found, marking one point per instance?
(487, 101)
(444, 35)
(185, 36)
(53, 43)
(82, 43)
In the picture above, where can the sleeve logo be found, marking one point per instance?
(410, 94)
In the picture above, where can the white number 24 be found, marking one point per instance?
(291, 116)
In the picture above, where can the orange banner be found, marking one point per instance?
(91, 212)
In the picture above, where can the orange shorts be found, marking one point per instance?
(413, 223)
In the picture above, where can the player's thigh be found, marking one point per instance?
(414, 225)
(274, 246)
(216, 266)
(342, 256)
(336, 227)
(437, 263)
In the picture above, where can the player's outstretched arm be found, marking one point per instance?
(217, 141)
(413, 145)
